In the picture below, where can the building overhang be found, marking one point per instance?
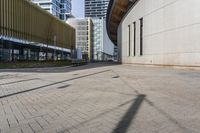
(117, 9)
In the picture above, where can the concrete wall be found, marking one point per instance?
(171, 33)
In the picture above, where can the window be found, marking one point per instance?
(134, 39)
(129, 40)
(141, 36)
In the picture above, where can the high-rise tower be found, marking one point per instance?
(97, 10)
(59, 8)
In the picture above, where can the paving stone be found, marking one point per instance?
(27, 129)
(35, 126)
(138, 100)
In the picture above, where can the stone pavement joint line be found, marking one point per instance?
(19, 81)
(8, 95)
(100, 98)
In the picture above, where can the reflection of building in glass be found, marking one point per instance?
(59, 8)
(96, 9)
(84, 28)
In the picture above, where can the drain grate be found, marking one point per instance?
(115, 77)
(65, 86)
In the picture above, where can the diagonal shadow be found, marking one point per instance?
(169, 117)
(129, 116)
(20, 92)
(165, 114)
(130, 113)
(19, 81)
(64, 86)
(101, 114)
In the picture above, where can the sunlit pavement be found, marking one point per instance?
(100, 98)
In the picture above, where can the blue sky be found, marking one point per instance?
(78, 8)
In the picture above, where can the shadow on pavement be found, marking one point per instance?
(129, 116)
(24, 91)
(19, 81)
(60, 69)
(168, 116)
(159, 110)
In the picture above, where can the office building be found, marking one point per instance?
(154, 32)
(97, 39)
(59, 8)
(32, 33)
(97, 9)
(84, 39)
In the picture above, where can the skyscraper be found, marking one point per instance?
(97, 9)
(59, 8)
(84, 30)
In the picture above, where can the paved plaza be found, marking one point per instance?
(100, 98)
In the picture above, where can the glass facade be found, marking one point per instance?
(59, 8)
(97, 10)
(98, 38)
(83, 28)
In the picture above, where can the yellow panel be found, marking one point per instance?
(24, 20)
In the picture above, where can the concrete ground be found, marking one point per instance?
(100, 98)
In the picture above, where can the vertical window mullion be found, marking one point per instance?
(141, 36)
(129, 40)
(1, 17)
(134, 37)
